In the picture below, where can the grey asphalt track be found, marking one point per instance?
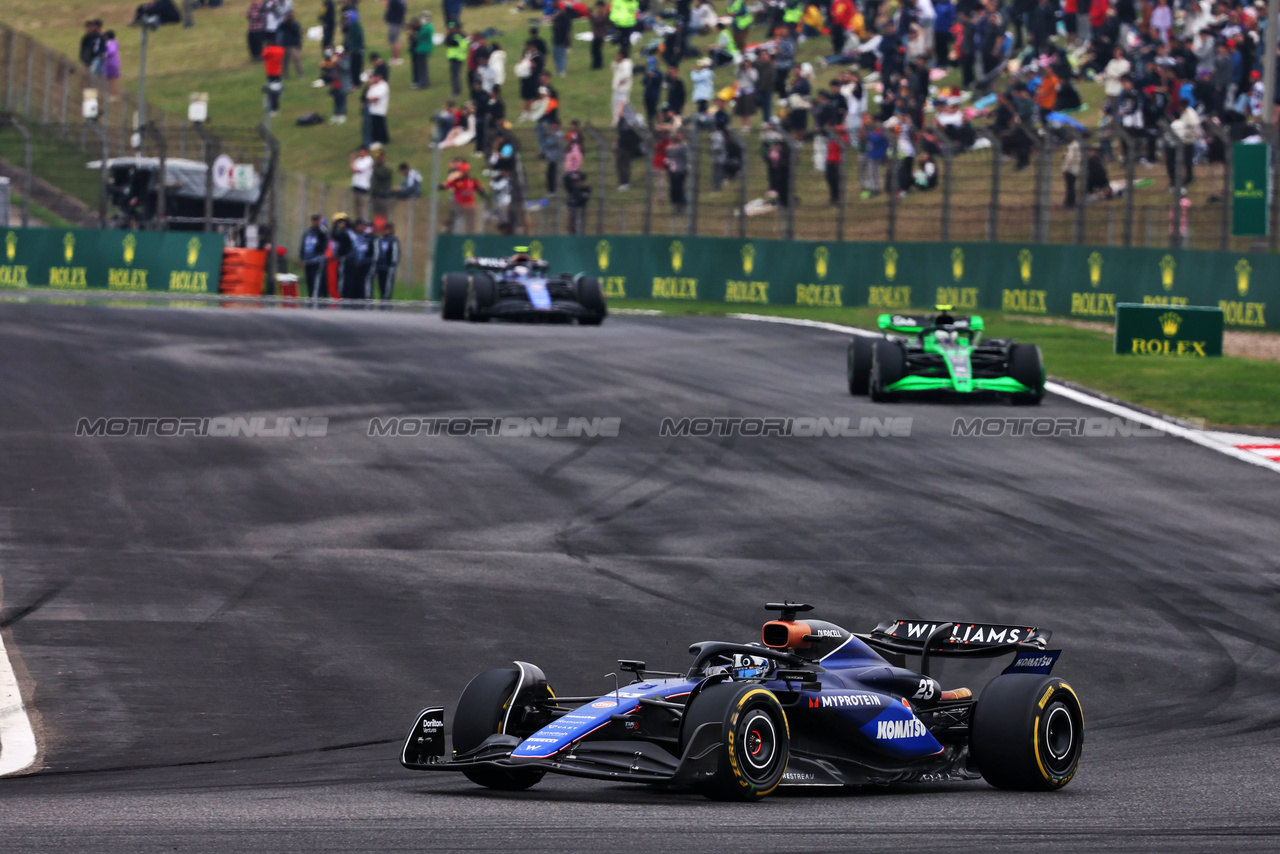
(225, 639)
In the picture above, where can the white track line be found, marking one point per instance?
(1237, 446)
(17, 740)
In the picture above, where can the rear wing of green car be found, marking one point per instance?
(905, 324)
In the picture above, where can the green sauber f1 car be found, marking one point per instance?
(943, 354)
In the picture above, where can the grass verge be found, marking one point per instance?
(1229, 392)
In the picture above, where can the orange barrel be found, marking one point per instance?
(243, 271)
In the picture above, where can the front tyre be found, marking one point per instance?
(858, 370)
(755, 740)
(1027, 732)
(1027, 367)
(888, 365)
(453, 296)
(482, 712)
(591, 298)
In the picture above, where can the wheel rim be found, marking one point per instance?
(759, 743)
(1059, 739)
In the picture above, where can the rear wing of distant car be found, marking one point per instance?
(914, 325)
(498, 264)
(927, 638)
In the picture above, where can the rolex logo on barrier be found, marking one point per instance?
(1242, 277)
(69, 246)
(1095, 269)
(535, 250)
(890, 263)
(193, 251)
(957, 264)
(821, 256)
(1024, 266)
(748, 259)
(1169, 323)
(677, 256)
(130, 245)
(468, 249)
(1167, 266)
(11, 245)
(602, 255)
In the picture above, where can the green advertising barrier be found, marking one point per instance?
(1163, 330)
(1075, 281)
(80, 259)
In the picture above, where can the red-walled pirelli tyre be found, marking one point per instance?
(1027, 732)
(754, 739)
(480, 714)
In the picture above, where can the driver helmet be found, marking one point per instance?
(749, 666)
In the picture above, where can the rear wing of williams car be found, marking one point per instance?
(927, 638)
(498, 264)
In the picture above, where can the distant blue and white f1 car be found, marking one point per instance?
(521, 288)
(812, 705)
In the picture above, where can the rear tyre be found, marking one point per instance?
(480, 297)
(858, 371)
(1027, 732)
(1026, 366)
(591, 298)
(481, 711)
(888, 365)
(453, 296)
(755, 741)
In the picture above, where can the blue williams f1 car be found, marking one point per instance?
(521, 288)
(812, 705)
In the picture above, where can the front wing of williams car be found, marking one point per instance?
(812, 705)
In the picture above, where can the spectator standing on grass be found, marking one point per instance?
(455, 51)
(111, 64)
(629, 146)
(291, 40)
(577, 192)
(836, 143)
(311, 252)
(562, 38)
(744, 104)
(328, 18)
(676, 93)
(380, 185)
(361, 180)
(273, 64)
(257, 16)
(765, 83)
(704, 85)
(335, 68)
(386, 260)
(623, 15)
(341, 248)
(464, 188)
(876, 152)
(599, 32)
(651, 90)
(353, 41)
(620, 87)
(1113, 76)
(410, 183)
(378, 99)
(422, 41)
(394, 16)
(1072, 169)
(93, 47)
(677, 171)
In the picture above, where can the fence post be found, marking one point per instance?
(273, 164)
(433, 215)
(691, 180)
(1174, 148)
(993, 209)
(948, 161)
(1273, 139)
(66, 90)
(1082, 194)
(26, 165)
(1044, 187)
(742, 182)
(48, 87)
(1220, 133)
(8, 88)
(303, 216)
(891, 230)
(103, 171)
(1130, 164)
(209, 151)
(410, 235)
(162, 178)
(648, 182)
(846, 151)
(31, 63)
(603, 184)
(793, 177)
